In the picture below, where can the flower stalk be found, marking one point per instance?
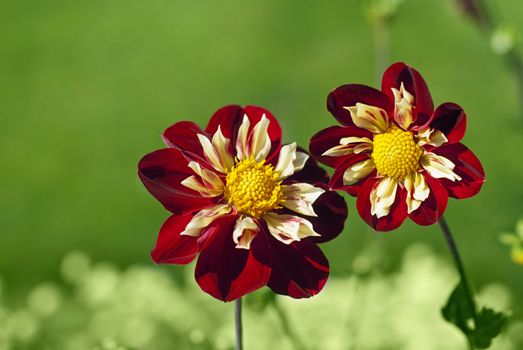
(238, 323)
(461, 270)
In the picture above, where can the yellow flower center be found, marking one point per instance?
(253, 187)
(395, 153)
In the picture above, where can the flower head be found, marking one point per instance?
(252, 209)
(397, 154)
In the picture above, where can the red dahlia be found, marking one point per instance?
(397, 154)
(252, 209)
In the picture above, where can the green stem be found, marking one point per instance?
(381, 47)
(238, 323)
(461, 269)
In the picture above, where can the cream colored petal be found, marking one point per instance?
(363, 147)
(211, 154)
(242, 150)
(204, 218)
(354, 139)
(300, 160)
(209, 177)
(403, 102)
(300, 197)
(289, 228)
(244, 232)
(358, 171)
(382, 197)
(260, 140)
(338, 151)
(194, 184)
(221, 145)
(439, 167)
(417, 190)
(371, 118)
(285, 165)
(431, 137)
(349, 145)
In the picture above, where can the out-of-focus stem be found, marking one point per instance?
(238, 323)
(481, 15)
(459, 265)
(381, 47)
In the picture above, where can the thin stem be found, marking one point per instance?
(461, 269)
(381, 47)
(457, 261)
(487, 24)
(238, 323)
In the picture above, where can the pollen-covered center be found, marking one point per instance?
(253, 187)
(395, 153)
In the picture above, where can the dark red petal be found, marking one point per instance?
(183, 136)
(397, 214)
(336, 181)
(330, 137)
(468, 167)
(401, 73)
(229, 119)
(434, 206)
(332, 213)
(227, 272)
(451, 120)
(162, 172)
(300, 270)
(171, 247)
(349, 95)
(311, 172)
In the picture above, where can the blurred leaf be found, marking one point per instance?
(509, 239)
(519, 228)
(479, 327)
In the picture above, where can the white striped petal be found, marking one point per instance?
(211, 153)
(367, 117)
(417, 190)
(209, 177)
(339, 150)
(439, 167)
(242, 151)
(403, 112)
(382, 197)
(431, 137)
(286, 159)
(260, 140)
(299, 161)
(300, 197)
(244, 232)
(349, 145)
(194, 184)
(358, 171)
(289, 228)
(221, 145)
(204, 218)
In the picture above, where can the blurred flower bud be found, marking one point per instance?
(379, 11)
(503, 40)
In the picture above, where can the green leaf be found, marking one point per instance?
(489, 324)
(479, 327)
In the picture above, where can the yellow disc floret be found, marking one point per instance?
(395, 153)
(253, 187)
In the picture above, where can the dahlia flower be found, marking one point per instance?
(251, 209)
(395, 152)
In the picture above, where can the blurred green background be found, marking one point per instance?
(87, 87)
